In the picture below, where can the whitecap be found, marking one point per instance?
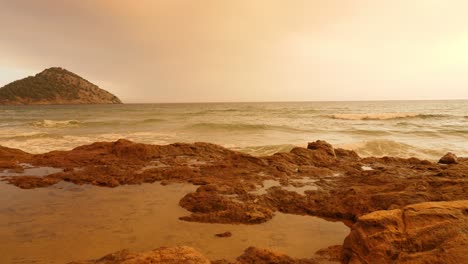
(56, 123)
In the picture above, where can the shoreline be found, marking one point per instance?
(337, 184)
(424, 130)
(42, 142)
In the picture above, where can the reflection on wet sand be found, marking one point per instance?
(29, 170)
(67, 222)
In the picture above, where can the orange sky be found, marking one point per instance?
(244, 50)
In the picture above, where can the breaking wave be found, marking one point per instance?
(384, 147)
(56, 123)
(265, 150)
(75, 123)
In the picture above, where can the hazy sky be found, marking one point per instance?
(244, 50)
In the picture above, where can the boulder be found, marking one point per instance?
(254, 255)
(431, 232)
(323, 146)
(210, 207)
(449, 158)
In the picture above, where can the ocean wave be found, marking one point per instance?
(383, 116)
(453, 131)
(222, 126)
(366, 132)
(37, 142)
(150, 120)
(56, 123)
(224, 110)
(264, 150)
(215, 111)
(107, 123)
(253, 111)
(28, 135)
(385, 147)
(241, 127)
(409, 124)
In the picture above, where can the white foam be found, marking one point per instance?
(384, 147)
(56, 123)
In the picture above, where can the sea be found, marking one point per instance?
(423, 129)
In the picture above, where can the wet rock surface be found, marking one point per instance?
(209, 206)
(343, 190)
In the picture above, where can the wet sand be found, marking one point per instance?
(67, 222)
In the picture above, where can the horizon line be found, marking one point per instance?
(298, 101)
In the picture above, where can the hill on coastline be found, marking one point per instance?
(55, 86)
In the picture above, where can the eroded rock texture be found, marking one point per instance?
(435, 232)
(341, 188)
(254, 255)
(174, 255)
(187, 255)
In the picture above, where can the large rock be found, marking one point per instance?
(174, 255)
(322, 146)
(210, 207)
(449, 158)
(432, 232)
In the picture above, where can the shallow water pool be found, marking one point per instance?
(68, 222)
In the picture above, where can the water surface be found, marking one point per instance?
(67, 222)
(426, 129)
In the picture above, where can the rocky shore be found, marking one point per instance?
(187, 255)
(399, 210)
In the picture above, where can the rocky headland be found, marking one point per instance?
(399, 210)
(54, 86)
